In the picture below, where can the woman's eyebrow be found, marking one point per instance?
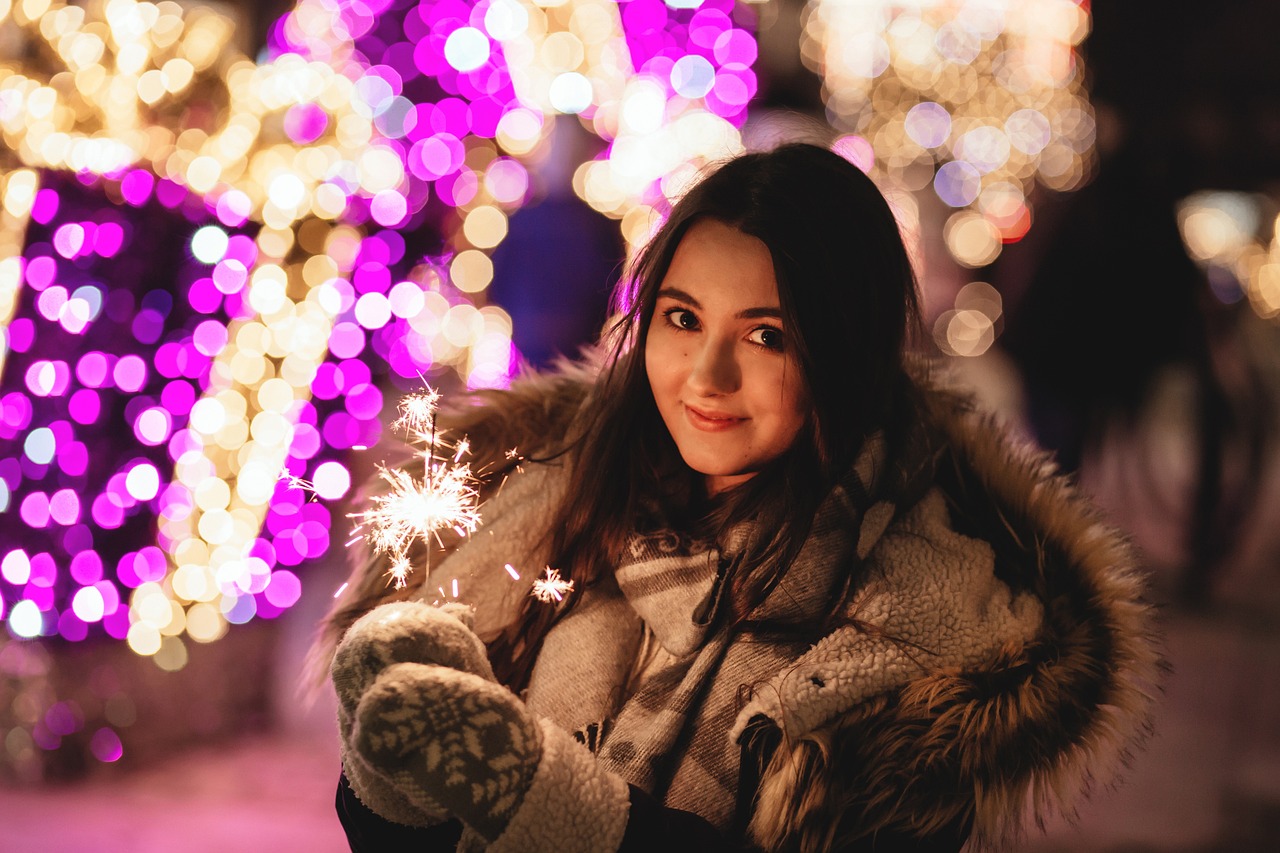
(755, 313)
(746, 314)
(677, 293)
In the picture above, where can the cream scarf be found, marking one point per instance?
(670, 735)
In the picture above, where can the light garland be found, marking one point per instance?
(300, 178)
(288, 285)
(976, 100)
(679, 110)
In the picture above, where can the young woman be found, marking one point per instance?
(818, 604)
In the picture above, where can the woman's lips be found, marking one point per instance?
(711, 421)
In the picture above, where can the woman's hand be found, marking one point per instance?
(406, 632)
(456, 743)
(428, 734)
(451, 740)
(393, 634)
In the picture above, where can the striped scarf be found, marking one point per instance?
(668, 735)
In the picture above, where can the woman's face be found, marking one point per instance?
(722, 370)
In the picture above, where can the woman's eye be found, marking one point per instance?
(681, 319)
(767, 337)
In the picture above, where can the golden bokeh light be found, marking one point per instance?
(1230, 232)
(981, 100)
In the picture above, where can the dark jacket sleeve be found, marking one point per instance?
(650, 827)
(654, 827)
(369, 832)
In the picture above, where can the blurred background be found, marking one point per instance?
(234, 234)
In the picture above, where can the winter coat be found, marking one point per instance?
(997, 662)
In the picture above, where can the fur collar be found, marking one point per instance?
(996, 739)
(1013, 736)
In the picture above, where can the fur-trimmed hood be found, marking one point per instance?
(995, 734)
(997, 660)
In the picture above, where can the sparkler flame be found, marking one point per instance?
(418, 413)
(296, 482)
(446, 498)
(412, 509)
(415, 509)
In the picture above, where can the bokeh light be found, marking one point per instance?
(212, 269)
(978, 101)
(1235, 238)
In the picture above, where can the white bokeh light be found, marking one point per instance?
(331, 480)
(143, 482)
(570, 93)
(287, 191)
(26, 620)
(466, 49)
(209, 244)
(506, 19)
(88, 604)
(16, 567)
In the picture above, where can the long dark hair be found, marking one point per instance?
(848, 298)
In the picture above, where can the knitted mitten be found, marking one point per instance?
(452, 740)
(395, 633)
(406, 632)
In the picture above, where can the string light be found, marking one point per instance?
(296, 174)
(299, 178)
(974, 101)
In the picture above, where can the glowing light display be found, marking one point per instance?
(680, 106)
(207, 265)
(210, 267)
(975, 101)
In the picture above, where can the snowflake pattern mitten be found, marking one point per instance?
(452, 740)
(405, 632)
(401, 632)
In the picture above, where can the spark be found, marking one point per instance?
(418, 413)
(414, 509)
(513, 453)
(455, 587)
(341, 590)
(511, 570)
(296, 482)
(551, 587)
(400, 568)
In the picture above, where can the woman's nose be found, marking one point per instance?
(715, 369)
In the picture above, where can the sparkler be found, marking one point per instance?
(446, 498)
(418, 414)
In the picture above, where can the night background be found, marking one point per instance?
(220, 300)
